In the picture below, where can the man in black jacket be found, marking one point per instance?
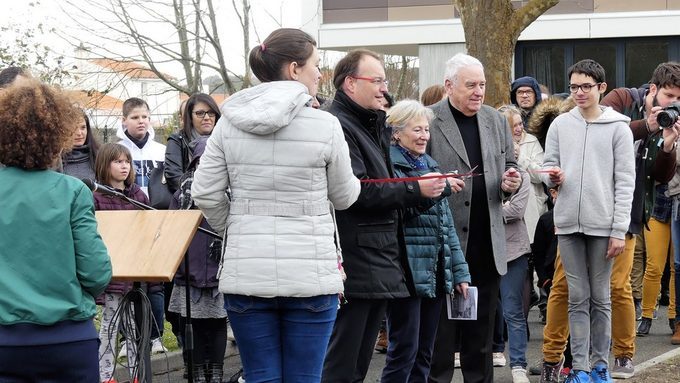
(370, 231)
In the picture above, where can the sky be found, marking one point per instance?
(266, 16)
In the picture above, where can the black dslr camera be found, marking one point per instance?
(667, 117)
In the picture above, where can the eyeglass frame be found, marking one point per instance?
(198, 113)
(374, 80)
(581, 87)
(527, 92)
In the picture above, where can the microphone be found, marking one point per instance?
(103, 189)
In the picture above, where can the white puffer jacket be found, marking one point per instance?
(282, 162)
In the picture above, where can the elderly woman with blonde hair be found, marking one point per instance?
(436, 262)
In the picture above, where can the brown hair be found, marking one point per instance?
(349, 65)
(281, 47)
(433, 95)
(37, 125)
(666, 75)
(134, 102)
(188, 123)
(107, 154)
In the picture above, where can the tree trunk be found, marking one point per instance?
(491, 31)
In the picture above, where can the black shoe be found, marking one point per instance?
(671, 324)
(638, 309)
(644, 326)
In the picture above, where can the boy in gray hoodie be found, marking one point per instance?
(589, 154)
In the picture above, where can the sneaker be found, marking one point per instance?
(456, 360)
(550, 372)
(519, 375)
(381, 342)
(157, 346)
(564, 374)
(600, 374)
(638, 309)
(536, 368)
(644, 326)
(578, 377)
(623, 368)
(499, 359)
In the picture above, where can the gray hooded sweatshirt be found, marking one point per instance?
(598, 162)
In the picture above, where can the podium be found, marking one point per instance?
(146, 246)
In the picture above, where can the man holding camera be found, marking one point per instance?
(651, 212)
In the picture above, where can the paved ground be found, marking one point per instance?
(168, 368)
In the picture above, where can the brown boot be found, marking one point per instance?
(675, 339)
(381, 343)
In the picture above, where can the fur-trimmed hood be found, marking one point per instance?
(545, 113)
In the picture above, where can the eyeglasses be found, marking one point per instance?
(202, 113)
(374, 80)
(573, 88)
(525, 92)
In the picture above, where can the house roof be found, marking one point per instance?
(93, 99)
(218, 97)
(127, 68)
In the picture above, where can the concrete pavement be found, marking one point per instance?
(168, 368)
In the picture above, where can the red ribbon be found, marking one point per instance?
(410, 179)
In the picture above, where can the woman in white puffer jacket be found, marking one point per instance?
(283, 163)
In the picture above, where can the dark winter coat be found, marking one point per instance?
(204, 256)
(431, 239)
(371, 229)
(177, 157)
(544, 248)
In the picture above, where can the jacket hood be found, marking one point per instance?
(525, 81)
(608, 116)
(266, 108)
(544, 114)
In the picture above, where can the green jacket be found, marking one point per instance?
(53, 263)
(431, 239)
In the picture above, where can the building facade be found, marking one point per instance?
(628, 37)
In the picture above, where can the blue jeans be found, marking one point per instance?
(512, 291)
(157, 300)
(282, 339)
(675, 234)
(588, 272)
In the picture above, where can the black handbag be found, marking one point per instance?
(159, 193)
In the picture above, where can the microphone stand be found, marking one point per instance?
(188, 346)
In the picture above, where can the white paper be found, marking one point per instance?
(459, 308)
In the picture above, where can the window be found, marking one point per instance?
(546, 65)
(641, 60)
(628, 62)
(603, 53)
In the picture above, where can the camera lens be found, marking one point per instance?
(667, 118)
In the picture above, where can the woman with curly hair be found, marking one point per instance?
(53, 262)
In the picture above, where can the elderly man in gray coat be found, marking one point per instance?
(467, 136)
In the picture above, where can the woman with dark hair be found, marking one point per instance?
(199, 115)
(79, 162)
(53, 262)
(287, 167)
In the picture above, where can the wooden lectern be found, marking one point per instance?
(146, 246)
